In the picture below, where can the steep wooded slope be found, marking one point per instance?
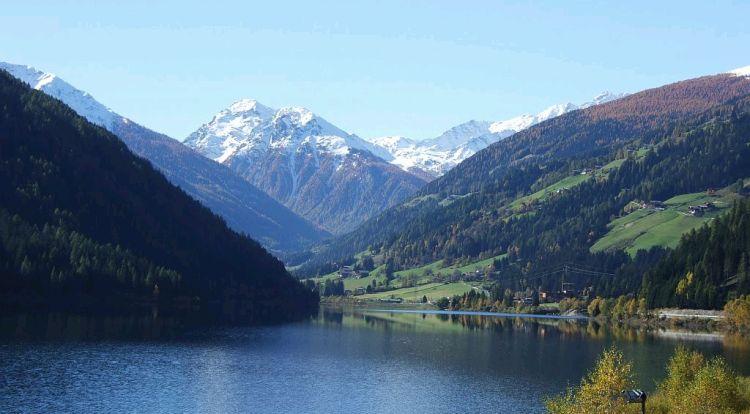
(82, 217)
(246, 208)
(467, 213)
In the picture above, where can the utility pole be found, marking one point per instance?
(562, 283)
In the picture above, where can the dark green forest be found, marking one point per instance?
(83, 220)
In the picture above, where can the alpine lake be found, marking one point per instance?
(343, 360)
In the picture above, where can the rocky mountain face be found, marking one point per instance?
(245, 208)
(434, 157)
(330, 177)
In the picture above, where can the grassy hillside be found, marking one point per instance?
(571, 181)
(708, 267)
(433, 291)
(424, 278)
(646, 227)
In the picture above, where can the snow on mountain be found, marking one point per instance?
(329, 176)
(245, 208)
(456, 136)
(519, 123)
(603, 97)
(393, 143)
(249, 130)
(743, 71)
(230, 127)
(436, 156)
(81, 102)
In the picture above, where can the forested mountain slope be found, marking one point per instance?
(245, 208)
(595, 130)
(82, 219)
(706, 265)
(677, 139)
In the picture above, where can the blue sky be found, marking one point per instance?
(412, 68)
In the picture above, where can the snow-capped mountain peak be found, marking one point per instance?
(318, 170)
(248, 130)
(743, 71)
(436, 156)
(81, 102)
(393, 142)
(603, 97)
(296, 114)
(456, 136)
(248, 105)
(305, 121)
(555, 111)
(229, 128)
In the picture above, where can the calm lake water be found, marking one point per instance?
(342, 361)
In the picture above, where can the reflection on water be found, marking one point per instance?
(539, 324)
(62, 326)
(343, 360)
(640, 343)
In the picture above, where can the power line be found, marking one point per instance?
(566, 268)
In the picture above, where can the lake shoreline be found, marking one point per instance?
(690, 320)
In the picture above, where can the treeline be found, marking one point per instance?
(707, 265)
(70, 187)
(327, 288)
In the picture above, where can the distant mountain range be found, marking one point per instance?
(330, 177)
(245, 208)
(273, 166)
(434, 157)
(334, 178)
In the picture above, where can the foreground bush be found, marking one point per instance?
(738, 313)
(600, 390)
(692, 386)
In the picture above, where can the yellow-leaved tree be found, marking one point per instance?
(696, 386)
(600, 391)
(738, 313)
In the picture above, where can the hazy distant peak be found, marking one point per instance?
(437, 155)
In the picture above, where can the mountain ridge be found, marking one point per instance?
(436, 156)
(329, 176)
(85, 223)
(245, 208)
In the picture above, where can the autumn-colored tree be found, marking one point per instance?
(600, 391)
(694, 386)
(738, 313)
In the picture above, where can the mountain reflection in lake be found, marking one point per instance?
(341, 361)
